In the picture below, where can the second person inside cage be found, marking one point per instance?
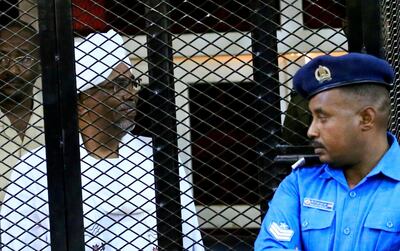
(21, 115)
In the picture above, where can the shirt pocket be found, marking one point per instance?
(382, 229)
(317, 229)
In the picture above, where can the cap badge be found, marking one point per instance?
(322, 74)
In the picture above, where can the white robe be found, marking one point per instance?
(119, 202)
(12, 147)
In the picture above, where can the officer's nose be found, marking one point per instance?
(313, 132)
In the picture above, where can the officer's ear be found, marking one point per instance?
(367, 118)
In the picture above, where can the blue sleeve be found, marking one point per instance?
(280, 229)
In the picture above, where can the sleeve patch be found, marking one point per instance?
(281, 232)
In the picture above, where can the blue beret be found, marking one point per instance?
(327, 72)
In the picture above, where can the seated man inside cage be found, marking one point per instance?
(117, 168)
(21, 123)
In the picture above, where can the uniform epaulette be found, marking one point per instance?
(305, 161)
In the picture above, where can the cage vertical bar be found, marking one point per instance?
(161, 84)
(265, 58)
(62, 142)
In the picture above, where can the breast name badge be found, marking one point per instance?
(318, 204)
(280, 232)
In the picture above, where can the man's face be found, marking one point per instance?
(113, 102)
(17, 78)
(335, 129)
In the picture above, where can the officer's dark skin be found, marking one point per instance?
(16, 79)
(348, 131)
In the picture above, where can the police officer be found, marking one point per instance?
(351, 201)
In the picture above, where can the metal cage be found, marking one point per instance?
(216, 102)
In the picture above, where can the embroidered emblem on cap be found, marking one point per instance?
(322, 74)
(280, 232)
(318, 204)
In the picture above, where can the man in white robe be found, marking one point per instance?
(117, 168)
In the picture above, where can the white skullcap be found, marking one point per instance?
(96, 56)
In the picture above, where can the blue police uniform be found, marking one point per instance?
(314, 208)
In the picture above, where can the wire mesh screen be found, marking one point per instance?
(390, 27)
(229, 65)
(228, 121)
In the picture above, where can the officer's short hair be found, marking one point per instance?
(370, 94)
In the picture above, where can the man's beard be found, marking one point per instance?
(19, 89)
(126, 121)
(16, 98)
(125, 125)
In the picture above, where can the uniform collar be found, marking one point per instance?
(333, 173)
(387, 165)
(327, 172)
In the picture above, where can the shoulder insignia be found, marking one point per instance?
(309, 160)
(280, 232)
(298, 163)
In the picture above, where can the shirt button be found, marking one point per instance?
(389, 224)
(346, 231)
(305, 223)
(353, 194)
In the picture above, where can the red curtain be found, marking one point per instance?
(89, 16)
